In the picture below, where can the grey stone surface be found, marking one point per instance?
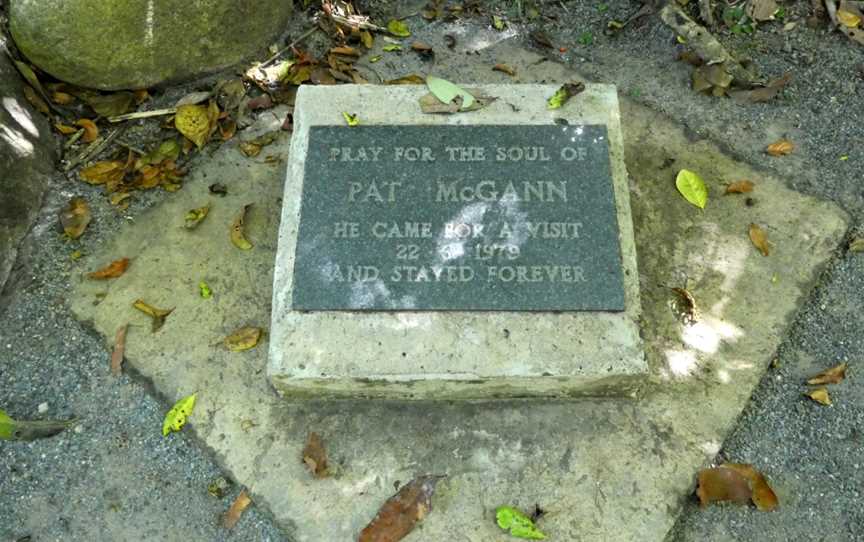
(453, 354)
(506, 217)
(604, 469)
(141, 43)
(27, 155)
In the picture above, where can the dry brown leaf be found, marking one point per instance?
(421, 47)
(763, 496)
(345, 50)
(112, 270)
(398, 516)
(762, 94)
(62, 98)
(75, 217)
(232, 516)
(722, 485)
(504, 68)
(780, 147)
(141, 96)
(227, 129)
(65, 129)
(759, 239)
(689, 312)
(36, 100)
(820, 395)
(243, 339)
(367, 39)
(834, 375)
(119, 350)
(158, 315)
(739, 187)
(412, 79)
(120, 199)
(106, 172)
(322, 76)
(315, 456)
(91, 131)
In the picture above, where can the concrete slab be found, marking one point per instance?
(452, 354)
(610, 469)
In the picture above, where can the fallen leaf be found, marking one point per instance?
(687, 308)
(141, 95)
(75, 217)
(848, 19)
(690, 58)
(232, 516)
(762, 94)
(111, 105)
(518, 524)
(367, 39)
(219, 487)
(762, 495)
(315, 456)
(762, 10)
(112, 270)
(193, 121)
(158, 315)
(195, 216)
(65, 129)
(834, 375)
(109, 172)
(375, 58)
(238, 236)
(193, 98)
(780, 147)
(30, 430)
(227, 129)
(261, 102)
(856, 245)
(249, 149)
(119, 350)
(739, 187)
(243, 339)
(398, 516)
(392, 47)
(36, 100)
(168, 149)
(62, 98)
(820, 395)
(721, 484)
(352, 120)
(28, 74)
(446, 92)
(398, 28)
(759, 239)
(541, 39)
(322, 76)
(711, 79)
(91, 131)
(179, 413)
(412, 79)
(498, 23)
(504, 68)
(692, 187)
(564, 93)
(204, 290)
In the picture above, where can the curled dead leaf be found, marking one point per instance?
(759, 239)
(91, 131)
(62, 98)
(401, 512)
(820, 395)
(780, 147)
(739, 187)
(75, 217)
(195, 216)
(119, 350)
(232, 516)
(315, 456)
(157, 315)
(834, 375)
(412, 79)
(108, 172)
(763, 496)
(111, 271)
(735, 482)
(243, 339)
(504, 68)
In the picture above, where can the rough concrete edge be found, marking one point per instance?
(407, 96)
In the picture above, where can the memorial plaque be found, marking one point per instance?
(493, 217)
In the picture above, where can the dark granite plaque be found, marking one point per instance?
(515, 218)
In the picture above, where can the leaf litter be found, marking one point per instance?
(232, 516)
(27, 430)
(834, 375)
(738, 483)
(157, 315)
(243, 339)
(400, 513)
(315, 456)
(75, 217)
(517, 523)
(692, 187)
(177, 417)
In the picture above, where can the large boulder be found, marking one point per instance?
(132, 44)
(27, 157)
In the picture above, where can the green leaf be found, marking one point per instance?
(567, 91)
(375, 58)
(30, 430)
(692, 187)
(352, 120)
(446, 91)
(519, 525)
(391, 47)
(498, 23)
(398, 28)
(176, 417)
(205, 290)
(111, 105)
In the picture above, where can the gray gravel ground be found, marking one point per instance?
(114, 477)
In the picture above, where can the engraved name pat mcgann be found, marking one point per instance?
(513, 218)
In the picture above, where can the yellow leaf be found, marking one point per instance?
(243, 339)
(692, 187)
(367, 39)
(91, 131)
(398, 28)
(564, 93)
(193, 121)
(780, 147)
(195, 216)
(829, 376)
(848, 19)
(820, 395)
(64, 129)
(176, 417)
(75, 217)
(352, 120)
(238, 236)
(109, 171)
(158, 315)
(759, 239)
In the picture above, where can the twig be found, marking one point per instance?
(363, 25)
(130, 147)
(75, 137)
(703, 43)
(143, 114)
(289, 46)
(94, 148)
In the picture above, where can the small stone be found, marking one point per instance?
(43, 408)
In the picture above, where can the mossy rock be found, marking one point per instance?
(112, 45)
